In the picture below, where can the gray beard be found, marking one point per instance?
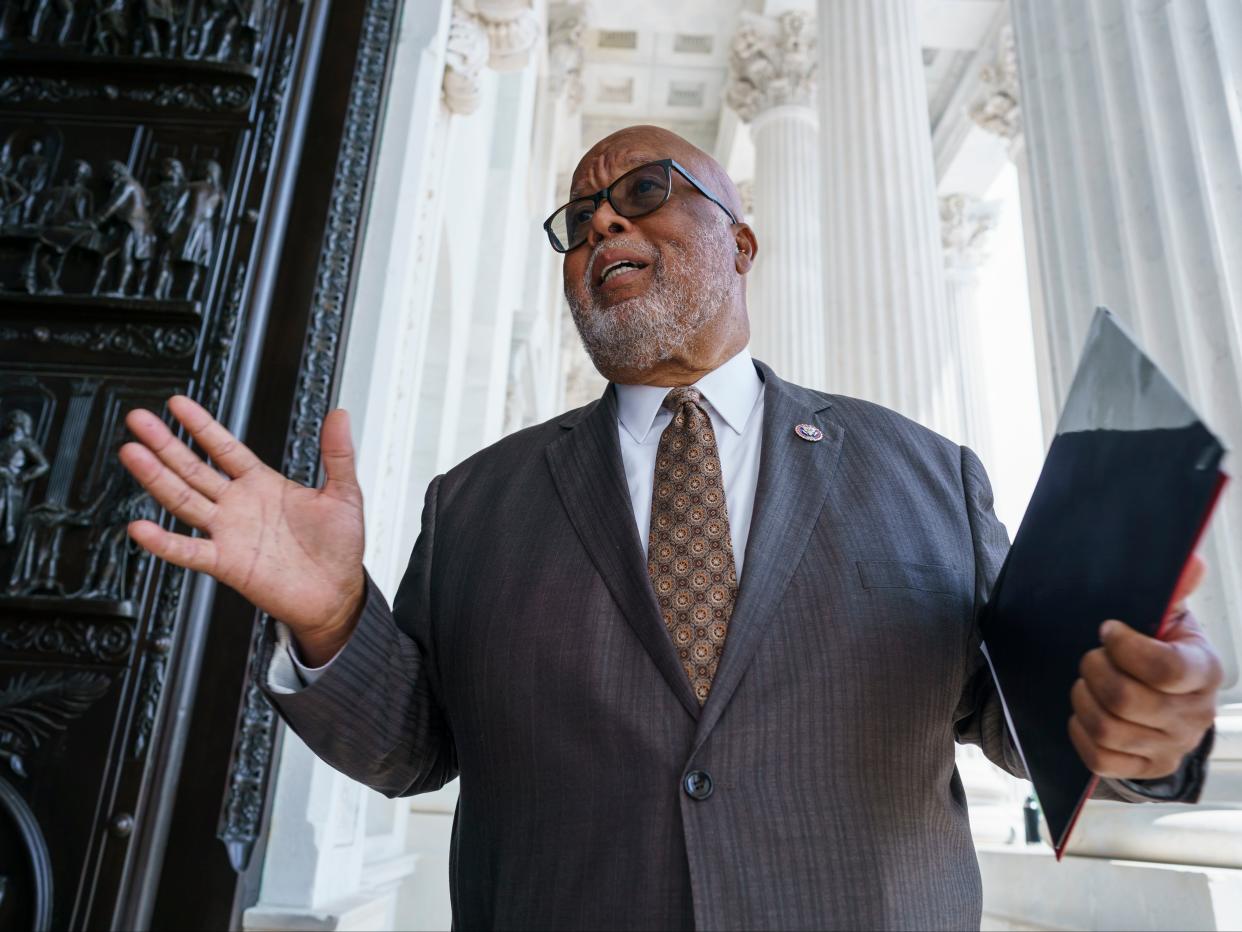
(688, 290)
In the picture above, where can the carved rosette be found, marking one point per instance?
(997, 109)
(464, 59)
(772, 63)
(567, 25)
(966, 225)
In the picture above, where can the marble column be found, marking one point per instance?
(1133, 131)
(966, 223)
(772, 87)
(889, 336)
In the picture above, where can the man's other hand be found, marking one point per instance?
(295, 552)
(1141, 704)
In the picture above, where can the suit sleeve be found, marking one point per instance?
(980, 718)
(374, 712)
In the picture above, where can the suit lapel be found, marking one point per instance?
(794, 475)
(590, 479)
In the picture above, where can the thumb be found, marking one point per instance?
(337, 449)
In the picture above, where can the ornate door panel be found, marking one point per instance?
(151, 161)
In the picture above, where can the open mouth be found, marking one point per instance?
(619, 272)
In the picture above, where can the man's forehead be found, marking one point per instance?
(599, 169)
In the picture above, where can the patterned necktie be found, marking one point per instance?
(689, 550)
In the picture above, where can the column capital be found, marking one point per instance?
(567, 25)
(772, 62)
(966, 225)
(512, 31)
(464, 57)
(996, 108)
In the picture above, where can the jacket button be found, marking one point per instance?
(698, 784)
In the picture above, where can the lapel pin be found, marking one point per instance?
(809, 432)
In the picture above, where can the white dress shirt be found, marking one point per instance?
(733, 398)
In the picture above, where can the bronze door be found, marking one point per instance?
(183, 186)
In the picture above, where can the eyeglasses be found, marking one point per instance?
(639, 191)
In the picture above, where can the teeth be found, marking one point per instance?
(617, 267)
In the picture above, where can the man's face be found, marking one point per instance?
(678, 274)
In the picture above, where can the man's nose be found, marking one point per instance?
(606, 222)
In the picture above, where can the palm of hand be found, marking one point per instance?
(285, 547)
(294, 552)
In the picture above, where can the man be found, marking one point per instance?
(699, 651)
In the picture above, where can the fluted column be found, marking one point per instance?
(889, 339)
(1134, 136)
(772, 87)
(966, 224)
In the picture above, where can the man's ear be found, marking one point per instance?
(747, 247)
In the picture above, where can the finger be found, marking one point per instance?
(195, 553)
(337, 449)
(1187, 583)
(1113, 733)
(1180, 665)
(225, 450)
(1108, 763)
(1121, 694)
(155, 435)
(1124, 697)
(165, 486)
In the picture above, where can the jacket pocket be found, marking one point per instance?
(927, 577)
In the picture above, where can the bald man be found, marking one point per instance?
(699, 651)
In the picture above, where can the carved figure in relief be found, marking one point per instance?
(198, 242)
(169, 202)
(64, 222)
(124, 231)
(159, 27)
(111, 27)
(36, 568)
(111, 550)
(11, 192)
(37, 13)
(21, 462)
(31, 174)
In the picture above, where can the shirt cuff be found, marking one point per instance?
(287, 674)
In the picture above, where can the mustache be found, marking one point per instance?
(636, 245)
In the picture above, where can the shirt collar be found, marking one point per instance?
(731, 389)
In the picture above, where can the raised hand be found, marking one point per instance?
(1140, 703)
(295, 552)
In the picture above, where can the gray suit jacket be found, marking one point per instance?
(525, 652)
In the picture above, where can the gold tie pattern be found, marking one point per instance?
(689, 550)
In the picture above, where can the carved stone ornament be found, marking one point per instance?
(997, 109)
(772, 63)
(464, 59)
(512, 32)
(567, 25)
(966, 225)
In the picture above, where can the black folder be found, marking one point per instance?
(1124, 495)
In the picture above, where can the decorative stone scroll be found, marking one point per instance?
(997, 110)
(772, 62)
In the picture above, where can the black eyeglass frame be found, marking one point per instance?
(599, 196)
